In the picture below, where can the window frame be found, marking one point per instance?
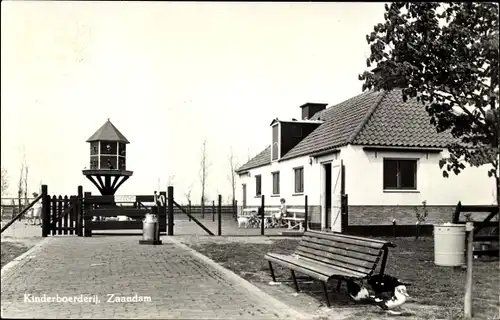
(273, 174)
(258, 186)
(301, 186)
(398, 186)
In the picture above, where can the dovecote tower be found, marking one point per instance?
(108, 159)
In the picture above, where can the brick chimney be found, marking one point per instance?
(310, 108)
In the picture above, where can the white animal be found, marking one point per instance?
(397, 300)
(243, 221)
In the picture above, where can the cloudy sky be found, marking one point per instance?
(168, 75)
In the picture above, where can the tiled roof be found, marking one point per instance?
(401, 124)
(108, 132)
(259, 160)
(341, 122)
(371, 118)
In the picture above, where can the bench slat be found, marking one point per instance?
(310, 267)
(343, 254)
(375, 244)
(329, 259)
(382, 242)
(343, 246)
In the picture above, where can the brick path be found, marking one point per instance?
(179, 284)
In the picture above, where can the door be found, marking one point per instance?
(244, 198)
(326, 195)
(336, 198)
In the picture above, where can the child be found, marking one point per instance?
(282, 212)
(36, 211)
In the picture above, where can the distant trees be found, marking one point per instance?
(233, 165)
(4, 182)
(204, 166)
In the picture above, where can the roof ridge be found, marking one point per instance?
(366, 118)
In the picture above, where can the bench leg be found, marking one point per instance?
(339, 283)
(295, 281)
(325, 289)
(272, 271)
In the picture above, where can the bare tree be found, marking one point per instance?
(233, 164)
(204, 165)
(20, 187)
(188, 193)
(25, 181)
(170, 180)
(5, 182)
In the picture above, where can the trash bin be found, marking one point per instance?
(150, 231)
(449, 245)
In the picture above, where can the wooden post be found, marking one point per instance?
(345, 214)
(79, 212)
(213, 211)
(202, 208)
(306, 211)
(262, 216)
(163, 211)
(394, 228)
(219, 216)
(189, 210)
(469, 229)
(235, 209)
(170, 213)
(19, 207)
(86, 217)
(45, 212)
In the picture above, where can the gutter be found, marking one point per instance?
(396, 148)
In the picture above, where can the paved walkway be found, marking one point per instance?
(171, 280)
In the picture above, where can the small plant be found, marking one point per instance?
(421, 215)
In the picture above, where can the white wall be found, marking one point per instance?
(312, 184)
(364, 178)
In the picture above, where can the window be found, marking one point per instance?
(275, 147)
(299, 179)
(276, 182)
(400, 174)
(258, 185)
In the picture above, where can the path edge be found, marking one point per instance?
(244, 283)
(22, 258)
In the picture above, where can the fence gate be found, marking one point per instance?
(121, 212)
(61, 215)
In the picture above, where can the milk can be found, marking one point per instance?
(150, 228)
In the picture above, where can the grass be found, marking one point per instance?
(441, 288)
(11, 250)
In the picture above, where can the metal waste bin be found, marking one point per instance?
(150, 230)
(449, 245)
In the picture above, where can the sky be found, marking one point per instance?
(168, 75)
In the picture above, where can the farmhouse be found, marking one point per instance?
(380, 151)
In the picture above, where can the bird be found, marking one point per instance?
(397, 300)
(357, 292)
(381, 283)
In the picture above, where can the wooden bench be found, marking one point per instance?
(326, 255)
(295, 221)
